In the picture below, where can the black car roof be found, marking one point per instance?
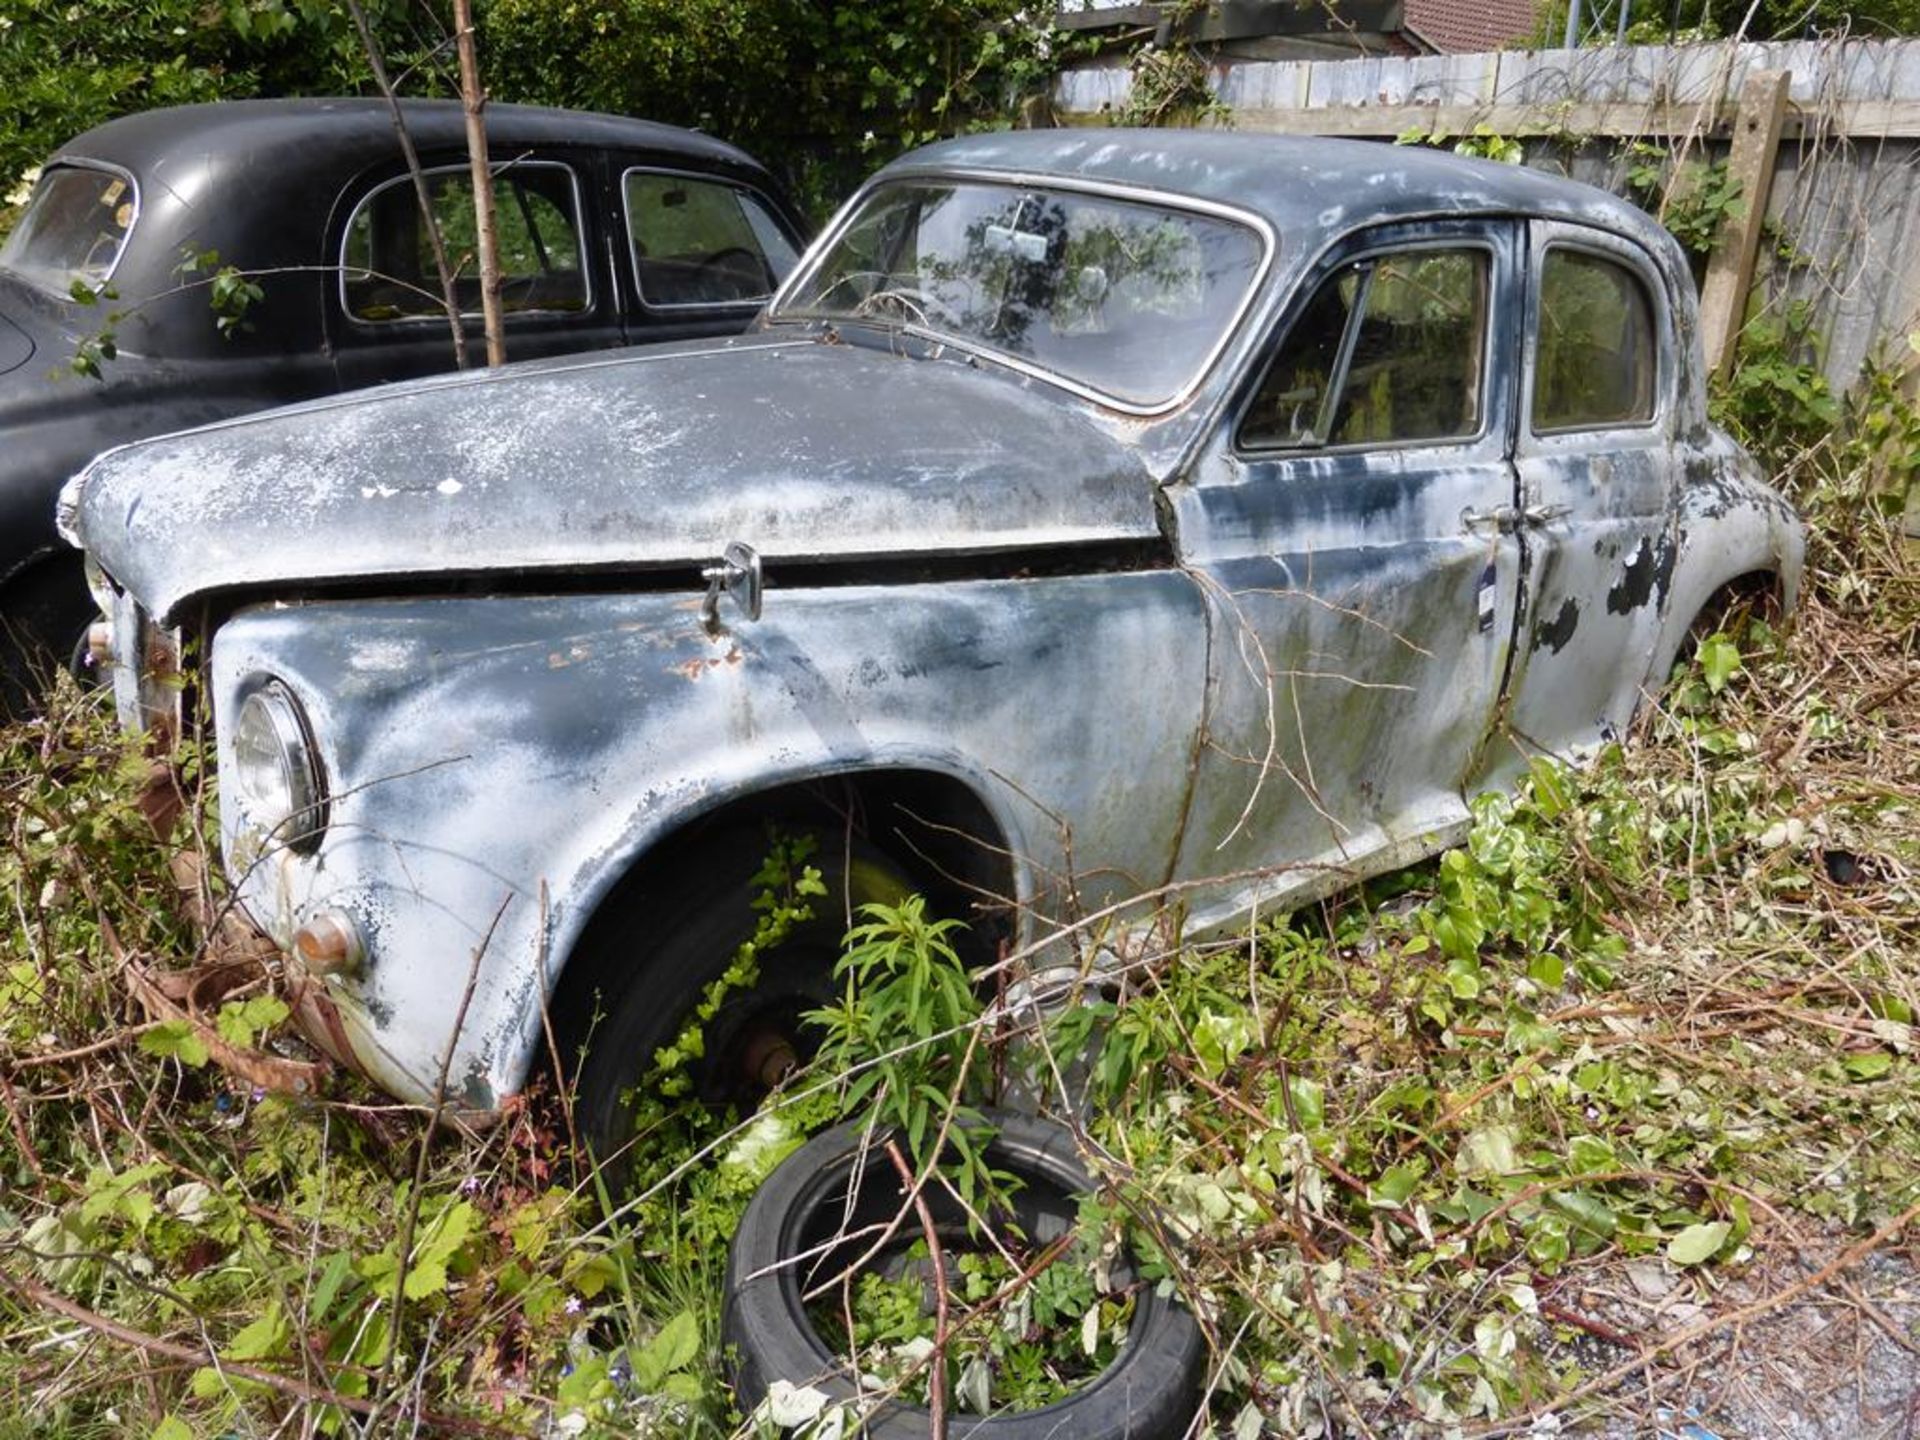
(261, 183)
(358, 130)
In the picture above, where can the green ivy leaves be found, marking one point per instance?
(1719, 661)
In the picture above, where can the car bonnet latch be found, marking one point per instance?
(736, 574)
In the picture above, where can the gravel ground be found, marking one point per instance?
(1840, 1361)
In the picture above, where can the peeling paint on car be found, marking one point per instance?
(957, 457)
(1647, 573)
(1556, 634)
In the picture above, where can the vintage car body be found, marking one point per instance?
(1091, 650)
(287, 190)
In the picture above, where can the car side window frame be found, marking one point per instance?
(1546, 236)
(725, 182)
(1376, 246)
(437, 316)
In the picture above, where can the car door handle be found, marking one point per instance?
(1502, 518)
(1545, 514)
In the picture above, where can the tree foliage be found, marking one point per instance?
(1653, 22)
(821, 89)
(65, 68)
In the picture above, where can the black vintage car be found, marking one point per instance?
(612, 232)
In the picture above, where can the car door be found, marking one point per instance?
(1352, 531)
(1595, 458)
(385, 310)
(701, 253)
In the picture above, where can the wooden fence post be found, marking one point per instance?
(1756, 142)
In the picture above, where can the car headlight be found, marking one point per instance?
(276, 779)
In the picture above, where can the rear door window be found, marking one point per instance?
(74, 229)
(387, 268)
(1596, 363)
(702, 242)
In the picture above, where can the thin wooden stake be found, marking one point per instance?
(449, 299)
(474, 100)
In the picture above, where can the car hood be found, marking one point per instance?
(801, 447)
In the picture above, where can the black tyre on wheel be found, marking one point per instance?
(673, 940)
(785, 1246)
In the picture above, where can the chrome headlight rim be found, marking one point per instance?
(296, 817)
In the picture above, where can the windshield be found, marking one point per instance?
(1127, 299)
(74, 228)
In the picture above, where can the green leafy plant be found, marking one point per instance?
(1879, 459)
(231, 292)
(906, 1031)
(92, 351)
(1694, 199)
(1483, 142)
(785, 888)
(1027, 1334)
(1777, 401)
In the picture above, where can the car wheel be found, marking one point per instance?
(838, 1184)
(651, 970)
(44, 617)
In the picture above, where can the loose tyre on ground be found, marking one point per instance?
(1149, 1391)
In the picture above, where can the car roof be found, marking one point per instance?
(1298, 184)
(262, 183)
(355, 130)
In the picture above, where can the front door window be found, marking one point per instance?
(702, 242)
(1390, 350)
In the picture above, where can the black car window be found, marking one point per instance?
(74, 228)
(702, 242)
(1390, 349)
(1596, 362)
(387, 269)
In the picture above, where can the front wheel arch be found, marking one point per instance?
(930, 826)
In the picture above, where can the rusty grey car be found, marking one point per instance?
(1095, 523)
(613, 232)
